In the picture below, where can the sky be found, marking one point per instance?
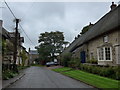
(40, 17)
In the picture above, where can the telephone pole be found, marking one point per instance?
(15, 44)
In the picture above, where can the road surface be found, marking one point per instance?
(41, 77)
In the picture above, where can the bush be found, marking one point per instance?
(8, 74)
(110, 72)
(65, 59)
(74, 63)
(92, 61)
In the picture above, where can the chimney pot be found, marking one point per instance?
(113, 6)
(1, 23)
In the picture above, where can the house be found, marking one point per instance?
(33, 54)
(23, 57)
(8, 45)
(101, 41)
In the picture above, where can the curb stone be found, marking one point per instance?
(13, 81)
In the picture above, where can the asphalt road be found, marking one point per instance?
(41, 77)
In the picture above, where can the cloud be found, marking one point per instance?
(40, 17)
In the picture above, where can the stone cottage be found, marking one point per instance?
(101, 41)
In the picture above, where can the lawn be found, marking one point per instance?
(92, 79)
(62, 69)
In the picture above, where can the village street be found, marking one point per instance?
(41, 77)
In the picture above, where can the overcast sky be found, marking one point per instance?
(39, 17)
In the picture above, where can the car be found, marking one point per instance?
(51, 64)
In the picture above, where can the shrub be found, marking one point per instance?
(110, 72)
(65, 59)
(74, 63)
(92, 61)
(8, 74)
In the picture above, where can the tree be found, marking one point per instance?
(51, 45)
(86, 28)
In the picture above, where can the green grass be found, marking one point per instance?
(62, 69)
(92, 79)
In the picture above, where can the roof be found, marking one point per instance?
(107, 23)
(33, 52)
(5, 33)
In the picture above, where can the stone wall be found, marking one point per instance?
(91, 48)
(99, 42)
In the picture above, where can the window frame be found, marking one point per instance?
(104, 54)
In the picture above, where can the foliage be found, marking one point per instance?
(65, 59)
(92, 61)
(85, 29)
(92, 79)
(8, 74)
(23, 56)
(110, 72)
(74, 63)
(51, 43)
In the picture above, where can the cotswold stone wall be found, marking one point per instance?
(91, 48)
(99, 42)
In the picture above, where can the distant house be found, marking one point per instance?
(26, 54)
(33, 54)
(101, 41)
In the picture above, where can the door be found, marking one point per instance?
(83, 57)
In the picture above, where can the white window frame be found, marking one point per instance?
(104, 56)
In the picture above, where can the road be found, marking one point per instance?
(41, 77)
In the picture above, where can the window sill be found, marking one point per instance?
(104, 60)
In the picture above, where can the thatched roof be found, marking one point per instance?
(107, 23)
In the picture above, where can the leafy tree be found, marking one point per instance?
(86, 28)
(51, 45)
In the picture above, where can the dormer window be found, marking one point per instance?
(105, 39)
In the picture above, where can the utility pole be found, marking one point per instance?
(15, 45)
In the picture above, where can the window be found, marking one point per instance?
(105, 39)
(101, 53)
(105, 53)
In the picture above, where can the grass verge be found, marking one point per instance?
(91, 79)
(62, 69)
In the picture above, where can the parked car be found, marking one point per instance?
(51, 64)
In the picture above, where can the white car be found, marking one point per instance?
(51, 63)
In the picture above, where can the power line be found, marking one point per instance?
(26, 34)
(10, 9)
(19, 24)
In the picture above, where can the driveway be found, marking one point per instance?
(41, 77)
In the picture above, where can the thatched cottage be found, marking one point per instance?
(101, 41)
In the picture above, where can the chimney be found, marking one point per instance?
(1, 23)
(113, 6)
(29, 50)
